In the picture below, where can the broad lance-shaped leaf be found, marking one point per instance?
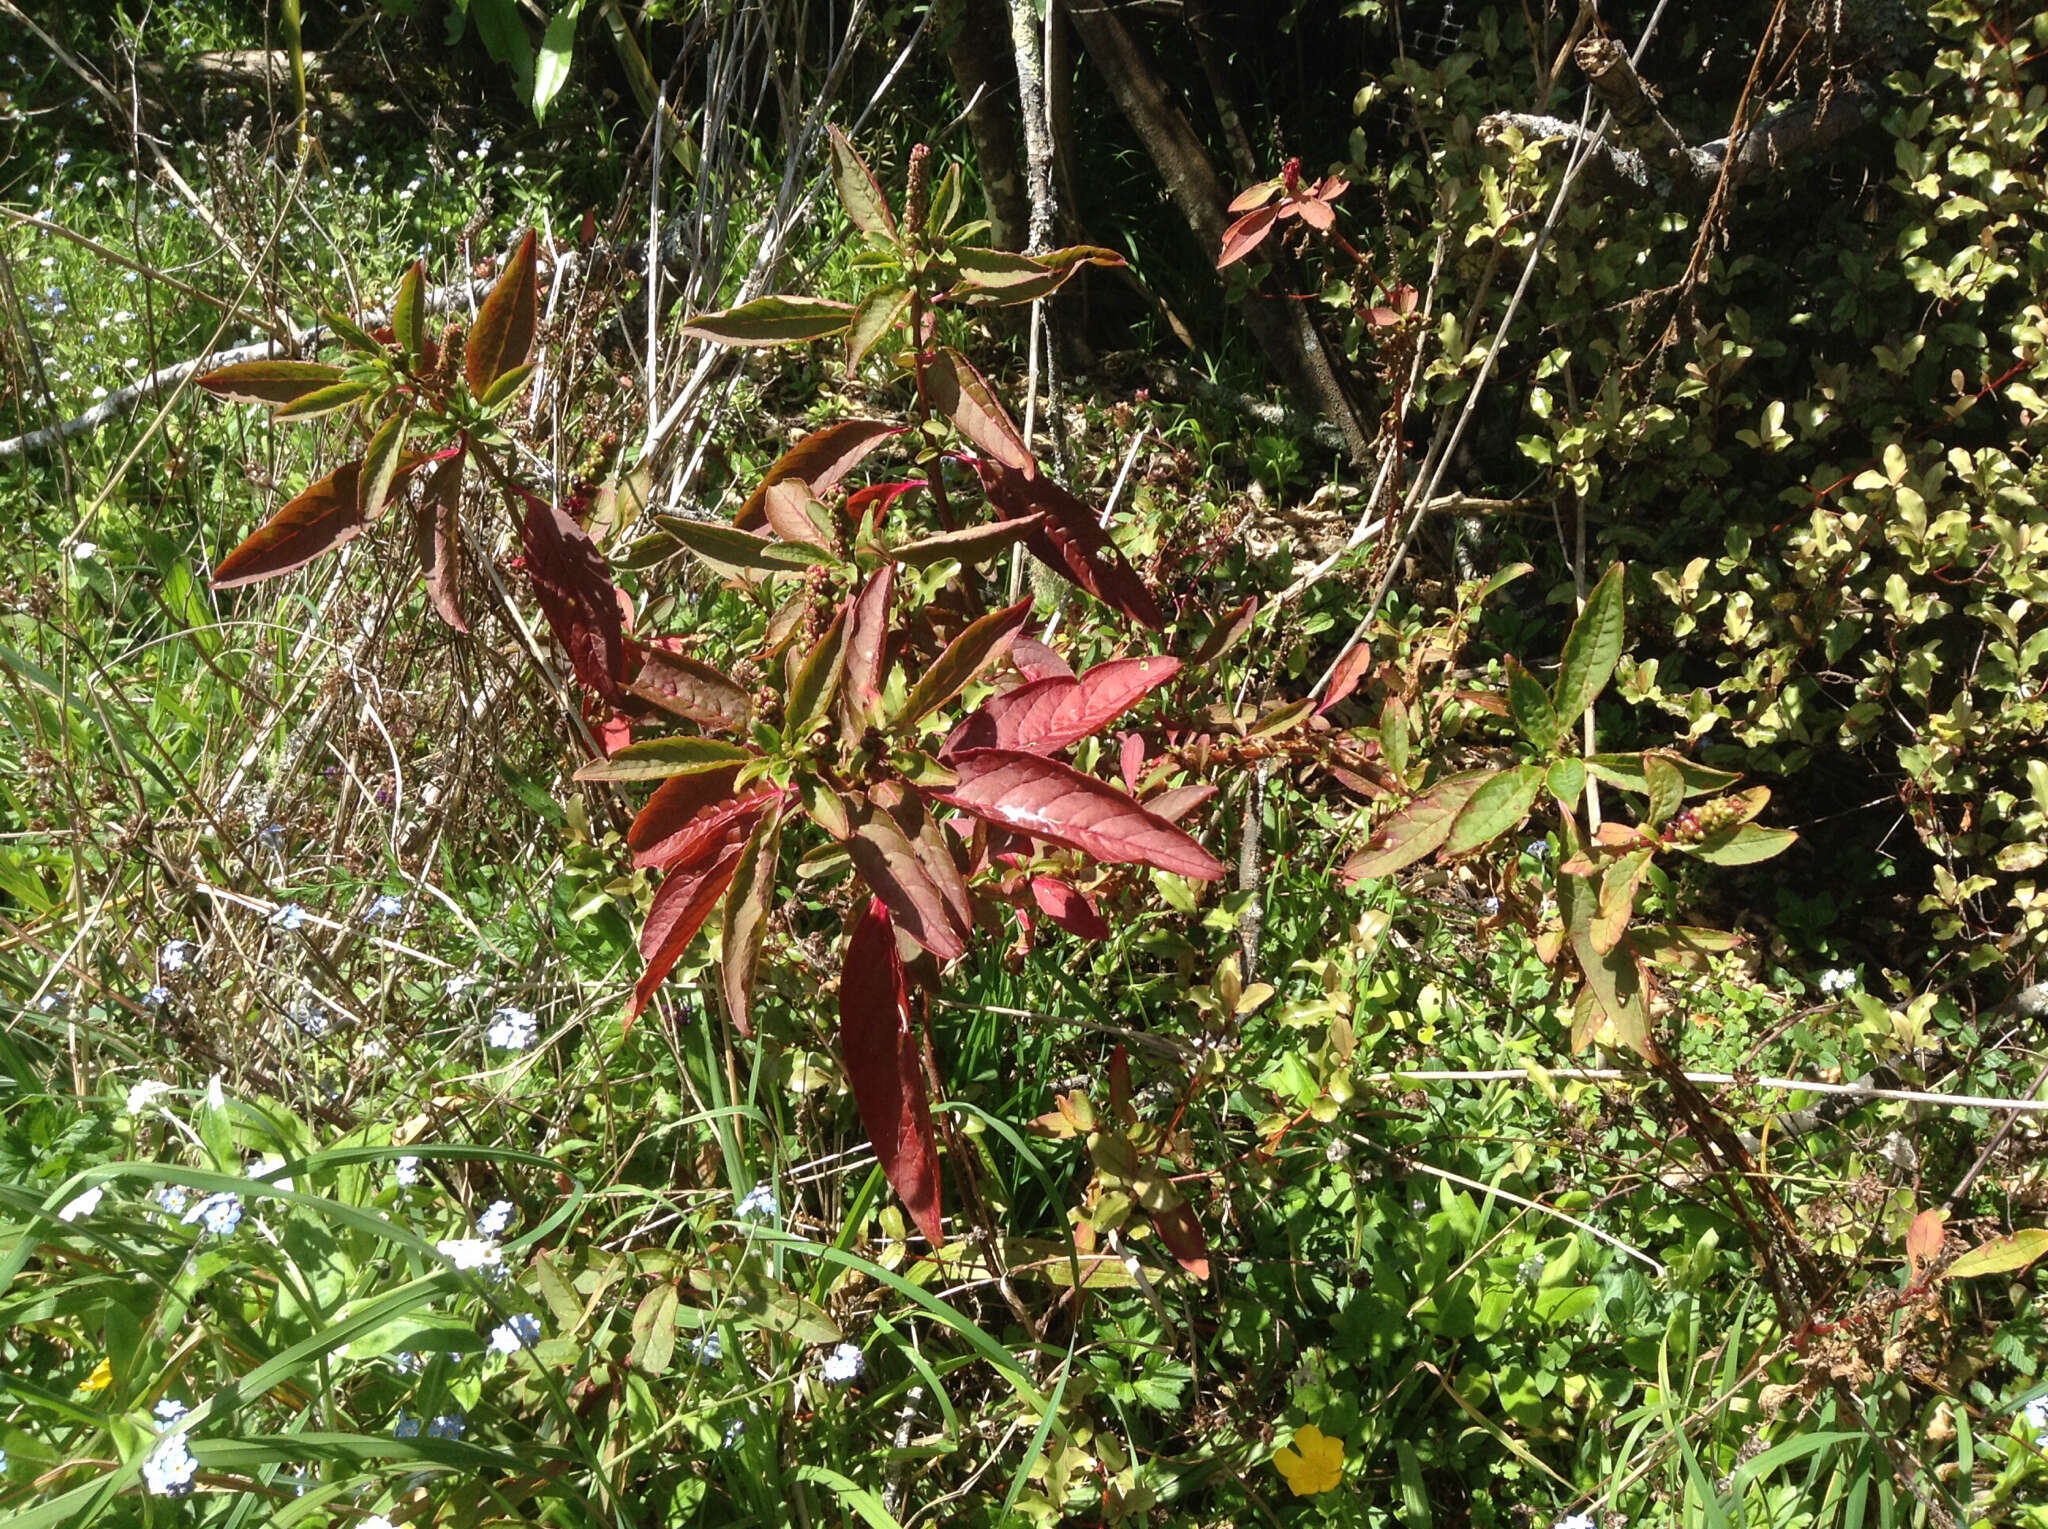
(929, 901)
(879, 313)
(711, 831)
(1055, 802)
(1035, 661)
(1617, 905)
(1502, 802)
(814, 682)
(437, 538)
(773, 320)
(959, 392)
(746, 918)
(674, 806)
(1530, 710)
(867, 653)
(1047, 715)
(2001, 1255)
(572, 582)
(1002, 278)
(794, 514)
(1068, 908)
(409, 311)
(873, 502)
(859, 193)
(270, 382)
(322, 517)
(380, 466)
(741, 552)
(502, 335)
(691, 689)
(1416, 830)
(659, 758)
(822, 459)
(326, 400)
(1593, 648)
(680, 907)
(879, 1047)
(1614, 991)
(984, 641)
(968, 545)
(1071, 541)
(1745, 845)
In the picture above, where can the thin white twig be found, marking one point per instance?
(1537, 1205)
(1782, 1085)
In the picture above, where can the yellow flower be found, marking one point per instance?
(1314, 1464)
(102, 1376)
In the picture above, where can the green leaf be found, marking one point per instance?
(557, 47)
(779, 319)
(2001, 1255)
(505, 38)
(1567, 782)
(1626, 772)
(270, 382)
(654, 1332)
(859, 192)
(815, 685)
(878, 313)
(409, 311)
(967, 655)
(507, 387)
(730, 548)
(1394, 736)
(660, 758)
(1618, 885)
(1416, 829)
(1614, 984)
(380, 466)
(1530, 710)
(1743, 845)
(352, 334)
(1666, 782)
(1592, 649)
(1501, 803)
(323, 401)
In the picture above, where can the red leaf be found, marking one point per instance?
(1057, 803)
(876, 498)
(867, 651)
(320, 519)
(1180, 801)
(1244, 236)
(503, 332)
(678, 911)
(879, 1047)
(960, 393)
(690, 689)
(438, 540)
(1255, 196)
(1352, 667)
(917, 879)
(820, 459)
(786, 506)
(1046, 716)
(676, 838)
(1316, 214)
(984, 641)
(746, 916)
(1183, 1236)
(1130, 761)
(1071, 541)
(1070, 909)
(573, 584)
(270, 382)
(1035, 661)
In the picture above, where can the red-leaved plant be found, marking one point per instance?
(872, 630)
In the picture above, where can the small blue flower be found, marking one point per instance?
(406, 1427)
(512, 1030)
(271, 836)
(758, 1204)
(56, 1001)
(406, 1362)
(734, 1432)
(178, 954)
(170, 1469)
(843, 1365)
(309, 1016)
(157, 997)
(219, 1213)
(173, 1199)
(290, 916)
(168, 1411)
(523, 1331)
(407, 1171)
(2035, 1416)
(494, 1219)
(708, 1349)
(447, 1425)
(1537, 849)
(386, 906)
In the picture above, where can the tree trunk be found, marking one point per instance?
(973, 34)
(1283, 333)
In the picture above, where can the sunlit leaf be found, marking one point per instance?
(502, 335)
(1048, 800)
(879, 1047)
(960, 393)
(1592, 649)
(270, 382)
(746, 918)
(692, 689)
(1416, 830)
(981, 644)
(859, 192)
(779, 319)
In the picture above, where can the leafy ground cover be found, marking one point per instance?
(1437, 1162)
